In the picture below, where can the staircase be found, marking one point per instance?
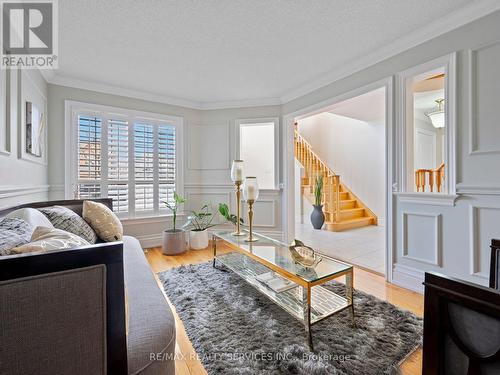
(342, 208)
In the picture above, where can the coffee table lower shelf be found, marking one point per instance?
(324, 302)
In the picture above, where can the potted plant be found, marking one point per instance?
(317, 215)
(174, 240)
(199, 222)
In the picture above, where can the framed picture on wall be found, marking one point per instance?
(34, 130)
(32, 117)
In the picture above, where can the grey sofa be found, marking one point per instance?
(92, 310)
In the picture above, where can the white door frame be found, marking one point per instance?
(288, 206)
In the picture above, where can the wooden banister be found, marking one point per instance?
(315, 167)
(429, 177)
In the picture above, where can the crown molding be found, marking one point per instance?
(121, 91)
(454, 20)
(241, 103)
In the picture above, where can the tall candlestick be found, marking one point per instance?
(250, 194)
(238, 214)
(237, 178)
(250, 237)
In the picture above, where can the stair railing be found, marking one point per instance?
(432, 176)
(314, 167)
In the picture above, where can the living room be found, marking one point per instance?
(148, 188)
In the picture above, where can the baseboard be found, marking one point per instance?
(150, 240)
(155, 240)
(408, 278)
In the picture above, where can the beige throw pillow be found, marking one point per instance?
(104, 222)
(47, 239)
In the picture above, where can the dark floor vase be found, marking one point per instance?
(317, 217)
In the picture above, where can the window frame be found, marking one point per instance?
(261, 120)
(74, 109)
(403, 104)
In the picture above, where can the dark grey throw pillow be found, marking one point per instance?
(13, 232)
(65, 219)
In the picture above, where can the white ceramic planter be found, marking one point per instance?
(198, 239)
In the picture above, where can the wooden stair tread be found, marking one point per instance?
(351, 221)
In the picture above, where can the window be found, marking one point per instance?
(427, 103)
(258, 149)
(128, 156)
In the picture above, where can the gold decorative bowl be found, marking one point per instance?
(304, 255)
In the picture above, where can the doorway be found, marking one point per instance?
(349, 135)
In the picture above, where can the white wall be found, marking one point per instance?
(353, 149)
(22, 178)
(430, 236)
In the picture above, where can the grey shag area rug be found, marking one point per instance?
(236, 330)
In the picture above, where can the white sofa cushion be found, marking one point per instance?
(32, 216)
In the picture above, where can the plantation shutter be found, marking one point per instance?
(144, 147)
(118, 165)
(128, 158)
(166, 164)
(89, 157)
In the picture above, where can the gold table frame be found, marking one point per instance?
(306, 285)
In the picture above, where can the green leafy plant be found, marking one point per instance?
(200, 221)
(224, 211)
(318, 189)
(178, 200)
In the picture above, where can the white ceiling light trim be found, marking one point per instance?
(452, 21)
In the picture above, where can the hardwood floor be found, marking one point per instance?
(186, 359)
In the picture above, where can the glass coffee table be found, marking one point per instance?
(305, 298)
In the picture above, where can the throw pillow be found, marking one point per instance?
(13, 232)
(69, 221)
(32, 216)
(107, 226)
(47, 239)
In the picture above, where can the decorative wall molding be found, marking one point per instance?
(211, 146)
(14, 191)
(256, 216)
(473, 94)
(191, 185)
(438, 235)
(431, 199)
(474, 248)
(5, 123)
(478, 189)
(408, 277)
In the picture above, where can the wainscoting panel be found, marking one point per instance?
(264, 213)
(483, 99)
(208, 147)
(484, 225)
(422, 237)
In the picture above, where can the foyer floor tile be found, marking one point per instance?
(364, 247)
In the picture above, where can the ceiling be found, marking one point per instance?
(207, 51)
(426, 101)
(369, 107)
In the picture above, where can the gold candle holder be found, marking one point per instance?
(238, 213)
(250, 237)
